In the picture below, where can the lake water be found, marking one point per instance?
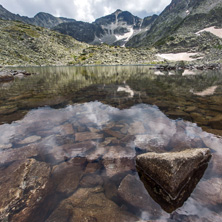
(69, 137)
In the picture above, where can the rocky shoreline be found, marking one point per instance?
(9, 75)
(168, 67)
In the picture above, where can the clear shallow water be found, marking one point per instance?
(74, 161)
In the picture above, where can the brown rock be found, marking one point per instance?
(93, 167)
(91, 180)
(131, 189)
(21, 153)
(30, 139)
(118, 165)
(93, 130)
(66, 176)
(171, 177)
(114, 133)
(124, 129)
(87, 136)
(23, 185)
(5, 146)
(67, 129)
(89, 204)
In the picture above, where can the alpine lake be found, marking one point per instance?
(69, 137)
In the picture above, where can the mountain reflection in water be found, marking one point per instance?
(78, 162)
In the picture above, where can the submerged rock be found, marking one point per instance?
(133, 192)
(30, 139)
(171, 177)
(23, 184)
(89, 204)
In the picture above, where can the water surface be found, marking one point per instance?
(69, 137)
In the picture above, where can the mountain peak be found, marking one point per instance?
(118, 11)
(41, 14)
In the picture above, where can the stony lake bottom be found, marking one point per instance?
(69, 137)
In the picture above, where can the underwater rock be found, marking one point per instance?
(91, 180)
(171, 177)
(23, 184)
(67, 175)
(133, 192)
(88, 136)
(30, 139)
(118, 165)
(89, 204)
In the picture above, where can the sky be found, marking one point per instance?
(84, 10)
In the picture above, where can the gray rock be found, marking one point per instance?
(170, 178)
(5, 76)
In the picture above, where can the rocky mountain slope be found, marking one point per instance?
(184, 26)
(23, 44)
(41, 19)
(178, 24)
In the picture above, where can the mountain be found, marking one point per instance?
(81, 31)
(183, 26)
(24, 44)
(41, 19)
(181, 19)
(114, 29)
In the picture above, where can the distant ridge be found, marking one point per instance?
(114, 29)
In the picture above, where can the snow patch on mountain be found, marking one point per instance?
(213, 30)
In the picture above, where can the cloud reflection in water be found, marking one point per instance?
(97, 131)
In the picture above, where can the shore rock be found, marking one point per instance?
(7, 75)
(171, 177)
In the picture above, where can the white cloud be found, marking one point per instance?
(84, 10)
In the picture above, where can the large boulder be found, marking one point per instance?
(171, 177)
